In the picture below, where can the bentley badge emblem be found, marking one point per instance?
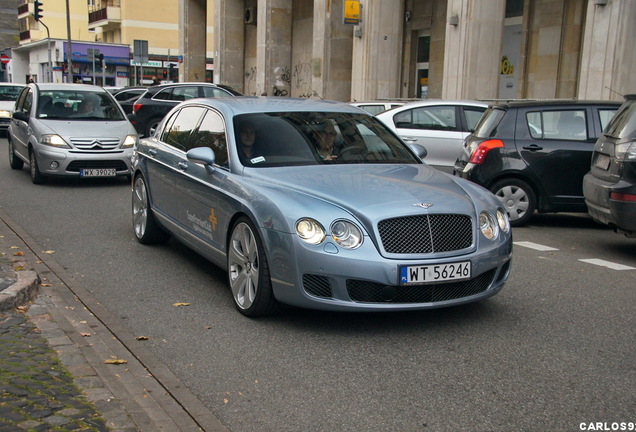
(424, 205)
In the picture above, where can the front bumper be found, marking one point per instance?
(329, 278)
(69, 162)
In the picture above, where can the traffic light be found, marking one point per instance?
(165, 74)
(37, 10)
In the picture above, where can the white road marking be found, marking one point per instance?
(535, 246)
(608, 264)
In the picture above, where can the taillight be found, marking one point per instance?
(479, 154)
(136, 107)
(622, 197)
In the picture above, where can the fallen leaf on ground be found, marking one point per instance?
(14, 247)
(86, 334)
(19, 253)
(46, 285)
(115, 361)
(48, 252)
(181, 304)
(142, 338)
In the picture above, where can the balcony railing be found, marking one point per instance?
(23, 8)
(25, 35)
(99, 11)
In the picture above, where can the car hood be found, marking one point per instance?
(7, 105)
(83, 128)
(373, 192)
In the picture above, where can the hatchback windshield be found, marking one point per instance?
(307, 138)
(623, 125)
(488, 123)
(80, 105)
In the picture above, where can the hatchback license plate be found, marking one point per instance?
(425, 274)
(98, 172)
(603, 162)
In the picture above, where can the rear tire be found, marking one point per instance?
(36, 175)
(15, 162)
(248, 271)
(145, 226)
(152, 126)
(518, 198)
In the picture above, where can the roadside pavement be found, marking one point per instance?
(67, 364)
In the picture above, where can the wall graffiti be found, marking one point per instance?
(250, 82)
(301, 83)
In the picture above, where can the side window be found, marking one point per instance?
(211, 92)
(432, 118)
(165, 94)
(179, 133)
(472, 117)
(184, 93)
(562, 125)
(605, 115)
(211, 133)
(25, 101)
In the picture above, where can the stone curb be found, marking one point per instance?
(24, 290)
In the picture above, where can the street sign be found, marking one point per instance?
(5, 59)
(140, 51)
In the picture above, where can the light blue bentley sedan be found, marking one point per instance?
(316, 204)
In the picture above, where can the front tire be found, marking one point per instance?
(145, 226)
(248, 271)
(152, 126)
(36, 175)
(518, 198)
(15, 162)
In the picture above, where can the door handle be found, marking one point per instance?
(153, 152)
(533, 147)
(409, 140)
(183, 165)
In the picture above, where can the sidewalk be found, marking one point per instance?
(67, 364)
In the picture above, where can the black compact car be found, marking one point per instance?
(610, 186)
(534, 154)
(155, 103)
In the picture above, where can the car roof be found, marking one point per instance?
(69, 86)
(551, 102)
(257, 104)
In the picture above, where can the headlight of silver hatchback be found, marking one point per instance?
(488, 226)
(129, 141)
(346, 234)
(53, 141)
(310, 231)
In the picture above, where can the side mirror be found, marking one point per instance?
(419, 150)
(19, 115)
(202, 155)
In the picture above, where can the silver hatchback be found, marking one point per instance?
(74, 130)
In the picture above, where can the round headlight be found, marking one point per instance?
(488, 226)
(346, 234)
(310, 231)
(503, 220)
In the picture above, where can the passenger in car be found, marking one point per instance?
(247, 146)
(326, 137)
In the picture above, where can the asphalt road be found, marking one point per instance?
(554, 349)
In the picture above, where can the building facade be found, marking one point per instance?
(451, 49)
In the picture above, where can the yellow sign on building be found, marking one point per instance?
(352, 12)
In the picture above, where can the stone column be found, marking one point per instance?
(607, 58)
(332, 51)
(377, 51)
(273, 47)
(229, 43)
(192, 22)
(473, 48)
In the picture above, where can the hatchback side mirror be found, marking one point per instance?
(419, 150)
(19, 115)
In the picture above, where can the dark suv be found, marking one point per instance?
(155, 103)
(610, 186)
(533, 154)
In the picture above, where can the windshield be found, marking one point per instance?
(78, 105)
(308, 138)
(9, 93)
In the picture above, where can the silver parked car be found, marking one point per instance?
(439, 125)
(75, 130)
(8, 95)
(316, 204)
